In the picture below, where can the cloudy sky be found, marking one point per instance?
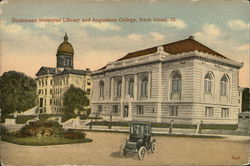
(222, 25)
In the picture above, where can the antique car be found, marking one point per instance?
(139, 140)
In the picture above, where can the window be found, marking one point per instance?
(41, 102)
(144, 87)
(88, 81)
(88, 92)
(223, 86)
(50, 82)
(173, 111)
(45, 91)
(131, 87)
(99, 108)
(140, 109)
(225, 112)
(50, 102)
(119, 89)
(115, 109)
(101, 89)
(68, 62)
(208, 83)
(176, 81)
(209, 111)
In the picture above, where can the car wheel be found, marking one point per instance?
(153, 147)
(123, 151)
(141, 153)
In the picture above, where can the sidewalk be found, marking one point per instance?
(160, 131)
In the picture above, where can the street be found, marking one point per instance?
(104, 150)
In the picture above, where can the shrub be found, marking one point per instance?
(44, 117)
(3, 130)
(6, 117)
(40, 128)
(24, 118)
(70, 134)
(68, 115)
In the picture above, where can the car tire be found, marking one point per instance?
(153, 147)
(141, 153)
(123, 151)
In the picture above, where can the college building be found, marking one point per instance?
(52, 82)
(184, 81)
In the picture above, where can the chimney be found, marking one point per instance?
(87, 70)
(191, 37)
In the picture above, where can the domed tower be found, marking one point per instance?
(65, 53)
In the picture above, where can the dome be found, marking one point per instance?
(65, 48)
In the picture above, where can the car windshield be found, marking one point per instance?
(136, 130)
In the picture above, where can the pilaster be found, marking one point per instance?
(159, 106)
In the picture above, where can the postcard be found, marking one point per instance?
(113, 82)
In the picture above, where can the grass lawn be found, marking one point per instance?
(50, 140)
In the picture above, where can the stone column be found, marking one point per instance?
(122, 96)
(123, 91)
(112, 89)
(159, 94)
(149, 84)
(130, 108)
(135, 87)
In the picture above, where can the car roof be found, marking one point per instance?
(140, 123)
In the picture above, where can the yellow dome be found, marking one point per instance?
(65, 48)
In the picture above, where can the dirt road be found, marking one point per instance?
(104, 150)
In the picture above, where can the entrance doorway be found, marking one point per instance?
(125, 112)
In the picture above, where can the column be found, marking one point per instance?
(112, 89)
(159, 94)
(149, 84)
(130, 108)
(122, 96)
(123, 91)
(135, 87)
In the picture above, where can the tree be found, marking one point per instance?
(17, 93)
(74, 100)
(246, 100)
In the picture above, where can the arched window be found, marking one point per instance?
(119, 89)
(208, 83)
(144, 87)
(131, 87)
(224, 86)
(176, 81)
(101, 89)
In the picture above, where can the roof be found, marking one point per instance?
(46, 70)
(73, 71)
(177, 47)
(65, 47)
(55, 71)
(139, 123)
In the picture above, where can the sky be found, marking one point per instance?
(222, 25)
